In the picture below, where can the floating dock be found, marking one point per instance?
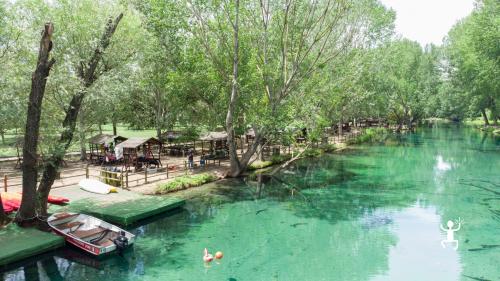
(127, 212)
(17, 243)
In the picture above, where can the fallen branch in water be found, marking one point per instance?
(298, 156)
(481, 187)
(484, 247)
(476, 278)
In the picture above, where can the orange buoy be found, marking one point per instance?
(219, 255)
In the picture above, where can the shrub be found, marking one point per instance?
(184, 182)
(370, 135)
(275, 159)
(255, 165)
(328, 147)
(312, 152)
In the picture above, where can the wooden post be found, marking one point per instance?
(219, 162)
(5, 183)
(146, 175)
(126, 178)
(87, 171)
(167, 170)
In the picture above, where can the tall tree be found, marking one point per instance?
(88, 73)
(27, 211)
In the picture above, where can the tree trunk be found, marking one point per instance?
(83, 145)
(27, 211)
(3, 217)
(114, 127)
(2, 133)
(233, 155)
(237, 166)
(260, 149)
(158, 115)
(485, 117)
(88, 76)
(494, 112)
(51, 166)
(100, 128)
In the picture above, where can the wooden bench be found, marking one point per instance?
(70, 224)
(63, 216)
(89, 232)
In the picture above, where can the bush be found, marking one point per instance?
(312, 152)
(328, 147)
(370, 135)
(255, 165)
(184, 182)
(275, 159)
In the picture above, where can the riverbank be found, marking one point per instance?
(128, 207)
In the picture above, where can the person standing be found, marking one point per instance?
(190, 159)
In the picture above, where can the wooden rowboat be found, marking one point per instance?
(90, 234)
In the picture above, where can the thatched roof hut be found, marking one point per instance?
(137, 142)
(106, 138)
(214, 136)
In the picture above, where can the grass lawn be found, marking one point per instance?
(479, 121)
(124, 131)
(8, 148)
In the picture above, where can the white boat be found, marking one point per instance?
(90, 234)
(96, 186)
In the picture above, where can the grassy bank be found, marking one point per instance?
(184, 182)
(370, 135)
(275, 159)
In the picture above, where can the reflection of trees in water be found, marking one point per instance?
(474, 187)
(328, 188)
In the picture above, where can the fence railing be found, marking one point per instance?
(126, 179)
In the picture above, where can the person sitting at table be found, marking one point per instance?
(140, 155)
(110, 157)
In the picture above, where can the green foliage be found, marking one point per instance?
(312, 152)
(472, 52)
(328, 147)
(184, 182)
(257, 164)
(275, 159)
(370, 135)
(165, 70)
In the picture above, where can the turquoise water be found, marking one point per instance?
(370, 213)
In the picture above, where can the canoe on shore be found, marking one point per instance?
(96, 186)
(11, 201)
(90, 234)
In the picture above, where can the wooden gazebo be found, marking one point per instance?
(218, 143)
(172, 136)
(140, 151)
(101, 144)
(178, 143)
(249, 136)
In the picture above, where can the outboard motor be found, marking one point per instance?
(121, 242)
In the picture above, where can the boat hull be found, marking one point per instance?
(86, 239)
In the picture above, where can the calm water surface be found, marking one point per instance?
(372, 213)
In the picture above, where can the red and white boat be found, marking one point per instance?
(90, 234)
